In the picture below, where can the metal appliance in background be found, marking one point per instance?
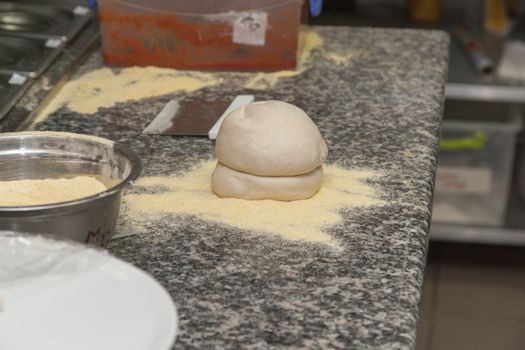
(11, 88)
(27, 56)
(31, 38)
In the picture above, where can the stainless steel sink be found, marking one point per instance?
(35, 20)
(27, 56)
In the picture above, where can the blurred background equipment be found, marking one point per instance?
(33, 34)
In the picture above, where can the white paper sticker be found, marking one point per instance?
(17, 79)
(250, 28)
(80, 11)
(462, 180)
(53, 43)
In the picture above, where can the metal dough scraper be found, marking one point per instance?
(192, 117)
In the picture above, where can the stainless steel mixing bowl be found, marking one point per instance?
(44, 155)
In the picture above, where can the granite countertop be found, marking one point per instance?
(238, 289)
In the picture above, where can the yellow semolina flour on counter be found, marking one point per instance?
(47, 191)
(106, 87)
(302, 220)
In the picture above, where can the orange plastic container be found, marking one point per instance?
(249, 35)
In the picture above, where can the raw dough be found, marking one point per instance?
(228, 183)
(270, 138)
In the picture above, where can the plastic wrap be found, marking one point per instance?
(25, 256)
(62, 295)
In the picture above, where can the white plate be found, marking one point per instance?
(56, 295)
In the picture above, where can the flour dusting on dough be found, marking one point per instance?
(303, 220)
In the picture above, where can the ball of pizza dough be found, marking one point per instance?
(270, 138)
(230, 183)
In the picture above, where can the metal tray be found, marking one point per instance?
(10, 93)
(42, 21)
(27, 56)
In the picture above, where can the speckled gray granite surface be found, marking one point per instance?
(237, 289)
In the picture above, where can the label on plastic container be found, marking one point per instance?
(462, 180)
(250, 28)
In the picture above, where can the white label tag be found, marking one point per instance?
(80, 11)
(250, 28)
(53, 43)
(17, 79)
(461, 180)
